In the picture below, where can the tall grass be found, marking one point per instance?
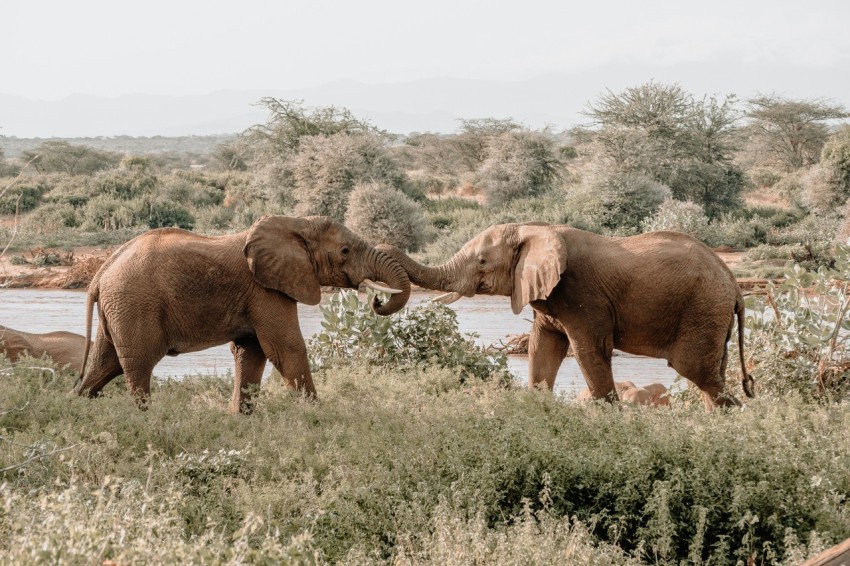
(412, 467)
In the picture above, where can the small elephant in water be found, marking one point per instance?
(169, 291)
(660, 294)
(64, 348)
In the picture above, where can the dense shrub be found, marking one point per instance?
(383, 214)
(108, 213)
(518, 164)
(22, 197)
(52, 217)
(682, 216)
(798, 339)
(326, 170)
(764, 176)
(620, 201)
(425, 335)
(412, 467)
(164, 213)
(835, 157)
(123, 184)
(820, 191)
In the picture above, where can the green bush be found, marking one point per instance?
(326, 170)
(383, 214)
(682, 216)
(426, 335)
(619, 201)
(106, 213)
(165, 213)
(392, 467)
(52, 217)
(124, 184)
(798, 332)
(22, 197)
(518, 164)
(764, 176)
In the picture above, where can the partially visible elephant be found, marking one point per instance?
(169, 291)
(660, 294)
(619, 386)
(64, 348)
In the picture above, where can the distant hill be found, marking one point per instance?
(133, 145)
(426, 105)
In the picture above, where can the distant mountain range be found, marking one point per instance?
(425, 105)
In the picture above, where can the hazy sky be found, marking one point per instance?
(54, 48)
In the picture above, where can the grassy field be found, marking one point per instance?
(411, 467)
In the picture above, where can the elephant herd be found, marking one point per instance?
(168, 291)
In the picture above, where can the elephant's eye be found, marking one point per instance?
(345, 250)
(481, 260)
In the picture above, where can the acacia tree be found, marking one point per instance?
(663, 132)
(64, 157)
(789, 134)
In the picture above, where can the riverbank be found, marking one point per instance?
(60, 268)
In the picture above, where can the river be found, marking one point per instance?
(491, 317)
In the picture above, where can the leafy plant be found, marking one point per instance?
(799, 337)
(425, 335)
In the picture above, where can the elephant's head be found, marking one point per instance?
(298, 256)
(523, 261)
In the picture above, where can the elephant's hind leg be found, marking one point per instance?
(546, 350)
(250, 361)
(593, 354)
(702, 360)
(103, 366)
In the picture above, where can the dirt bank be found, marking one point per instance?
(51, 268)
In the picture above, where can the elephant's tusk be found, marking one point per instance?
(447, 298)
(372, 285)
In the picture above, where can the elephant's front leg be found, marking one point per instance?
(250, 361)
(547, 348)
(288, 354)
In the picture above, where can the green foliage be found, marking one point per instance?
(73, 159)
(22, 197)
(125, 185)
(682, 216)
(326, 170)
(384, 215)
(518, 164)
(662, 132)
(836, 156)
(789, 134)
(412, 468)
(620, 201)
(799, 340)
(426, 335)
(165, 213)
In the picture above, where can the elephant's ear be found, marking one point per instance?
(276, 248)
(542, 258)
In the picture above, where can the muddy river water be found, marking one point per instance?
(490, 317)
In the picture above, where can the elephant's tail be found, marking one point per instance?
(746, 379)
(93, 294)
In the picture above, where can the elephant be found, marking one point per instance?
(170, 291)
(660, 294)
(64, 348)
(653, 395)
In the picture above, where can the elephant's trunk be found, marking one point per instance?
(389, 271)
(440, 277)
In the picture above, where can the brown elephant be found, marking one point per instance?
(653, 395)
(170, 291)
(64, 348)
(660, 294)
